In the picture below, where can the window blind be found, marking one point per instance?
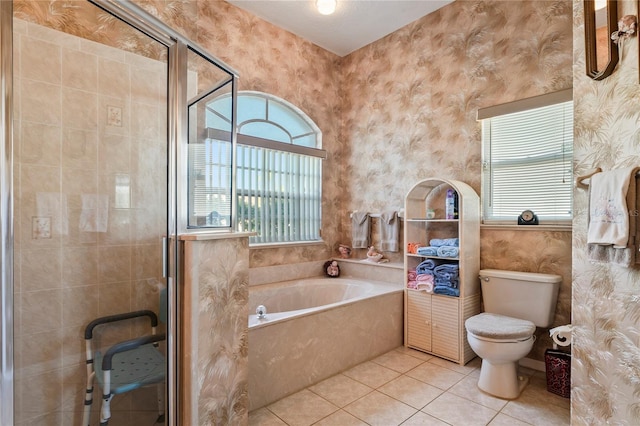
(210, 183)
(527, 164)
(278, 195)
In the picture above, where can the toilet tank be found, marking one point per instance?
(525, 295)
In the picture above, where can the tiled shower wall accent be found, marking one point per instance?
(83, 112)
(606, 352)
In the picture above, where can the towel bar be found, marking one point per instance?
(580, 179)
(377, 215)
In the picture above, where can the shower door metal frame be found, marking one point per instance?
(178, 46)
(6, 213)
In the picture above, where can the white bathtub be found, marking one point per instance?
(315, 328)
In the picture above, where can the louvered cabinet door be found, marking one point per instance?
(445, 327)
(419, 320)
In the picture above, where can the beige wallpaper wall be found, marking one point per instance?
(407, 106)
(396, 111)
(409, 112)
(606, 352)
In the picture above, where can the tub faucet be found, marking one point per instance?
(261, 311)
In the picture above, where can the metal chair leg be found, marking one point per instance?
(88, 397)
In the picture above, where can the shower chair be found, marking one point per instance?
(126, 365)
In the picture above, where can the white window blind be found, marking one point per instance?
(278, 195)
(278, 168)
(210, 180)
(527, 164)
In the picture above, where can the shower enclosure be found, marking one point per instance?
(95, 102)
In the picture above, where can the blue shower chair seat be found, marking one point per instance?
(126, 365)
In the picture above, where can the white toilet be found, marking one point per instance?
(514, 304)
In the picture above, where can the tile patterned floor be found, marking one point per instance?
(410, 388)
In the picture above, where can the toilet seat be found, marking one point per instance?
(499, 328)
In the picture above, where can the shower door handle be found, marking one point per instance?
(165, 257)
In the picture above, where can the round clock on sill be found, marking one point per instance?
(527, 217)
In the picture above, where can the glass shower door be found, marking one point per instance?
(90, 196)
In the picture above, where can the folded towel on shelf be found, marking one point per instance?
(360, 229)
(447, 270)
(612, 196)
(412, 284)
(427, 251)
(425, 286)
(448, 251)
(422, 278)
(389, 231)
(411, 275)
(431, 264)
(444, 282)
(425, 267)
(447, 291)
(439, 242)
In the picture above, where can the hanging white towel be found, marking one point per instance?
(611, 234)
(389, 231)
(608, 212)
(360, 229)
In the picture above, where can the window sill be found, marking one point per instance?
(392, 265)
(284, 245)
(539, 228)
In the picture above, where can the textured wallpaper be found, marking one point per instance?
(403, 108)
(606, 356)
(409, 113)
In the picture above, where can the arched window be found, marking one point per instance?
(278, 167)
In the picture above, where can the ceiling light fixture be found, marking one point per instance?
(326, 7)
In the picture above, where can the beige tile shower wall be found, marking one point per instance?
(605, 376)
(90, 128)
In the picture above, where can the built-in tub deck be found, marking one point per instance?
(315, 328)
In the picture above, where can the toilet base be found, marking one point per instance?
(501, 380)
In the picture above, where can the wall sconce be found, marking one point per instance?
(326, 7)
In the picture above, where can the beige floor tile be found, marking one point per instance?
(462, 369)
(538, 387)
(340, 418)
(435, 375)
(398, 361)
(340, 390)
(456, 411)
(537, 411)
(411, 391)
(302, 408)
(264, 417)
(371, 374)
(379, 409)
(538, 406)
(504, 420)
(468, 388)
(423, 419)
(414, 353)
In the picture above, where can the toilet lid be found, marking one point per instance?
(496, 326)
